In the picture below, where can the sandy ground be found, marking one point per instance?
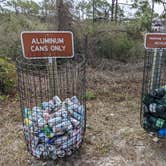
(113, 137)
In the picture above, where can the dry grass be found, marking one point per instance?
(113, 137)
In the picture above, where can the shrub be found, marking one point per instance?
(11, 27)
(113, 41)
(7, 76)
(90, 95)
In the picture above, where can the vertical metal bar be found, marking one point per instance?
(56, 78)
(51, 79)
(40, 86)
(156, 68)
(158, 75)
(152, 86)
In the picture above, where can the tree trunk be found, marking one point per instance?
(152, 13)
(116, 11)
(112, 10)
(93, 11)
(59, 5)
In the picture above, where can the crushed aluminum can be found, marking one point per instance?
(81, 110)
(42, 137)
(41, 122)
(38, 151)
(59, 113)
(75, 100)
(54, 121)
(27, 122)
(64, 126)
(50, 148)
(47, 106)
(67, 102)
(45, 154)
(73, 107)
(60, 153)
(57, 101)
(74, 114)
(78, 143)
(36, 116)
(53, 155)
(57, 133)
(68, 152)
(36, 109)
(75, 122)
(77, 133)
(52, 140)
(34, 142)
(69, 143)
(27, 113)
(41, 147)
(60, 140)
(46, 116)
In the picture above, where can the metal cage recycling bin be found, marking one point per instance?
(153, 107)
(53, 105)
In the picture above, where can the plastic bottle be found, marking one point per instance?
(153, 124)
(158, 93)
(47, 131)
(158, 110)
(148, 99)
(162, 132)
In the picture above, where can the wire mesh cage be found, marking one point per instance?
(153, 105)
(53, 104)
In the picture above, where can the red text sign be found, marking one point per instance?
(39, 45)
(155, 40)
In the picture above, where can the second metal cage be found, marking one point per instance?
(52, 97)
(153, 104)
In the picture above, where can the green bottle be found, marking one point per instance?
(158, 93)
(153, 124)
(47, 131)
(148, 99)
